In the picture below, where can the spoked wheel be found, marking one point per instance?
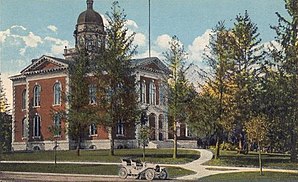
(149, 174)
(123, 173)
(163, 174)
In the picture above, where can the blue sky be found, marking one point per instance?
(32, 28)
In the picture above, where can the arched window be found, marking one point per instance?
(152, 93)
(36, 126)
(143, 92)
(92, 129)
(36, 95)
(24, 130)
(92, 94)
(57, 93)
(24, 99)
(57, 125)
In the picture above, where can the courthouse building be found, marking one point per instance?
(39, 88)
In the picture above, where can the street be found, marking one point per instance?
(38, 177)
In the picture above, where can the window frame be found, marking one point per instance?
(143, 92)
(57, 93)
(120, 128)
(152, 93)
(24, 128)
(57, 125)
(92, 94)
(36, 134)
(36, 95)
(92, 129)
(24, 99)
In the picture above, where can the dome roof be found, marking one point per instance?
(90, 16)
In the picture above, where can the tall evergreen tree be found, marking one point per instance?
(246, 55)
(115, 75)
(177, 86)
(79, 113)
(5, 122)
(287, 37)
(217, 83)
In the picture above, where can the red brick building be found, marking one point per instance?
(39, 88)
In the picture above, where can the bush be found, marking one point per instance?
(227, 146)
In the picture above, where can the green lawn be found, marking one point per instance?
(252, 177)
(270, 160)
(80, 169)
(152, 155)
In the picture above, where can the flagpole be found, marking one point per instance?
(149, 31)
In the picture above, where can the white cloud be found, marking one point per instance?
(52, 28)
(32, 40)
(163, 41)
(146, 54)
(58, 45)
(268, 45)
(140, 39)
(4, 35)
(105, 21)
(22, 51)
(18, 27)
(198, 46)
(132, 24)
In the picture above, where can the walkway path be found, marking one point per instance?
(196, 166)
(202, 170)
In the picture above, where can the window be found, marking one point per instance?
(36, 126)
(57, 93)
(57, 125)
(152, 93)
(92, 94)
(187, 131)
(92, 129)
(120, 128)
(143, 92)
(36, 94)
(24, 126)
(161, 95)
(24, 99)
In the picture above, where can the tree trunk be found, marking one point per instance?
(293, 146)
(240, 145)
(1, 150)
(175, 139)
(247, 147)
(144, 150)
(260, 159)
(111, 137)
(217, 148)
(78, 147)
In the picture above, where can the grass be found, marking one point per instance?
(152, 155)
(252, 177)
(80, 169)
(269, 160)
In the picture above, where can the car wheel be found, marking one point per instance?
(123, 173)
(149, 174)
(163, 174)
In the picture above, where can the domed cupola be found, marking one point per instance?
(89, 32)
(90, 16)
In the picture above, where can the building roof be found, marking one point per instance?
(152, 64)
(46, 64)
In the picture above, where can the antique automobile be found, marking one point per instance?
(140, 170)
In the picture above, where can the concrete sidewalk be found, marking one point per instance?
(203, 171)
